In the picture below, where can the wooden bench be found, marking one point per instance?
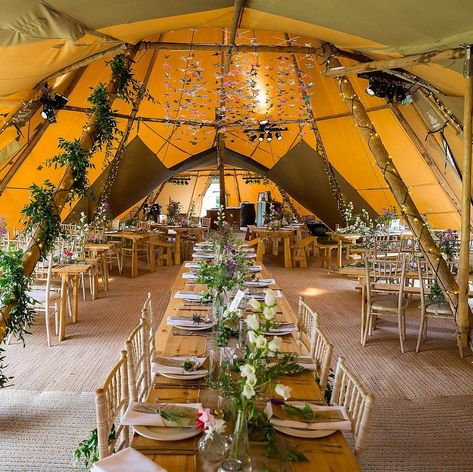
(259, 243)
(299, 251)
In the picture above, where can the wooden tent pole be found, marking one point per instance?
(397, 186)
(237, 186)
(221, 167)
(463, 270)
(59, 198)
(400, 62)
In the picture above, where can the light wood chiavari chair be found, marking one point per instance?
(391, 302)
(431, 309)
(308, 321)
(149, 316)
(137, 348)
(349, 393)
(322, 356)
(111, 402)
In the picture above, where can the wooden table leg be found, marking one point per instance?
(63, 309)
(105, 269)
(177, 251)
(152, 258)
(339, 252)
(134, 259)
(275, 246)
(363, 308)
(287, 254)
(94, 280)
(75, 298)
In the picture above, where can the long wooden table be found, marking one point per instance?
(303, 386)
(274, 236)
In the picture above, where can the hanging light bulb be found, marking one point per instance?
(269, 138)
(261, 137)
(278, 135)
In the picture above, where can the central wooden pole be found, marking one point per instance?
(221, 167)
(397, 186)
(464, 267)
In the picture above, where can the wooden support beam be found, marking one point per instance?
(59, 199)
(222, 47)
(427, 157)
(221, 167)
(401, 62)
(237, 15)
(397, 186)
(40, 130)
(464, 266)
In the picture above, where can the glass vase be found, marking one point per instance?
(213, 447)
(240, 449)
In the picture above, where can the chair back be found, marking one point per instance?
(206, 222)
(385, 271)
(111, 402)
(148, 314)
(138, 362)
(387, 246)
(323, 352)
(308, 321)
(349, 393)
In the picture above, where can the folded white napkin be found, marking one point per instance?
(262, 295)
(255, 268)
(342, 424)
(164, 365)
(187, 321)
(127, 460)
(260, 283)
(188, 295)
(191, 265)
(283, 328)
(189, 275)
(139, 418)
(202, 255)
(250, 255)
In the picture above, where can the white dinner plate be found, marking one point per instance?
(281, 333)
(305, 433)
(193, 328)
(184, 376)
(165, 433)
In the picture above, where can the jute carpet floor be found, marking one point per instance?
(422, 422)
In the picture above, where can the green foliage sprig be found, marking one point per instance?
(106, 127)
(14, 286)
(4, 379)
(88, 451)
(128, 88)
(42, 212)
(78, 160)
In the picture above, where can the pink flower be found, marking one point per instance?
(206, 418)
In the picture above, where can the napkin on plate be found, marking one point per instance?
(196, 296)
(188, 322)
(189, 275)
(283, 328)
(325, 417)
(191, 265)
(255, 268)
(303, 361)
(262, 295)
(127, 460)
(260, 282)
(145, 414)
(173, 365)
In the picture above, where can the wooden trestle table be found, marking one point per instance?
(181, 456)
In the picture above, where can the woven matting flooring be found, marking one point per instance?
(422, 421)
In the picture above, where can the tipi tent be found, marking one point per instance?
(275, 72)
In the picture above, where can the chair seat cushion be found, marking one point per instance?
(387, 302)
(40, 296)
(438, 309)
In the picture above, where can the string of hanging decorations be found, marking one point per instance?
(180, 179)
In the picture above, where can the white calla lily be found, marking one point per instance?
(261, 342)
(269, 312)
(270, 297)
(251, 380)
(252, 322)
(248, 391)
(252, 337)
(255, 304)
(247, 370)
(275, 344)
(283, 391)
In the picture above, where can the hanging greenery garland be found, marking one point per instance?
(128, 88)
(78, 160)
(105, 123)
(42, 213)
